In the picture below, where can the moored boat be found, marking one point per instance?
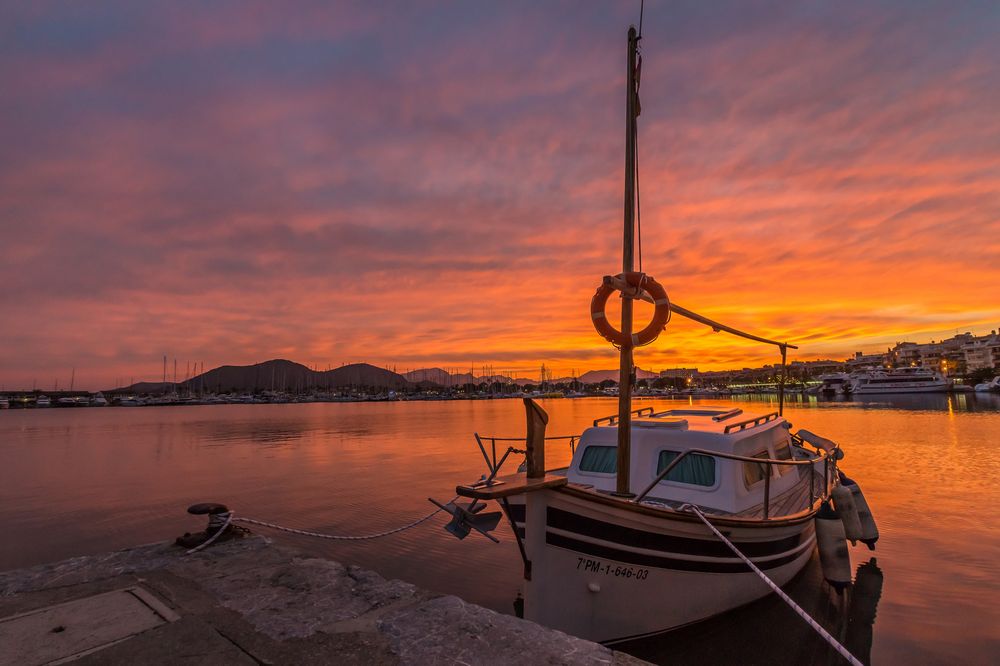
(901, 380)
(663, 517)
(835, 383)
(604, 555)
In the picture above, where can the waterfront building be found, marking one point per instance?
(982, 352)
(948, 355)
(861, 360)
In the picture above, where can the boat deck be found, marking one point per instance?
(791, 501)
(514, 484)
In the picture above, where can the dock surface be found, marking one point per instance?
(252, 602)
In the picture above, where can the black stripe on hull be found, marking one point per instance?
(660, 562)
(627, 536)
(572, 522)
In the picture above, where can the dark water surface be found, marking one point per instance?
(87, 481)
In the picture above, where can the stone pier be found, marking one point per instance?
(252, 602)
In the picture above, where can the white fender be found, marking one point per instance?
(843, 502)
(869, 530)
(833, 554)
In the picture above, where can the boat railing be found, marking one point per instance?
(750, 423)
(613, 419)
(828, 457)
(494, 464)
(727, 415)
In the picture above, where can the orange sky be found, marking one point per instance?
(441, 185)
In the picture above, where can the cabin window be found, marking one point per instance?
(694, 468)
(600, 459)
(755, 472)
(783, 452)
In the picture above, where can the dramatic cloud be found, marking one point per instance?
(440, 184)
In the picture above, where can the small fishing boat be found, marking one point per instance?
(667, 517)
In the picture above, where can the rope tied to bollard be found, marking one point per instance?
(834, 643)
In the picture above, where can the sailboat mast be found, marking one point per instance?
(628, 264)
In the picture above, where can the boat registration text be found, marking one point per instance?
(587, 564)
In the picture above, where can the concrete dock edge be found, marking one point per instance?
(250, 601)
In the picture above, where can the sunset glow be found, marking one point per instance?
(442, 186)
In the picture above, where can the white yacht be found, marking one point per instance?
(901, 380)
(4, 402)
(835, 383)
(43, 401)
(98, 400)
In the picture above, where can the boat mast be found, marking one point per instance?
(628, 264)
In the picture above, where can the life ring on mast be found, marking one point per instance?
(639, 282)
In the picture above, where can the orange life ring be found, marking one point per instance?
(646, 335)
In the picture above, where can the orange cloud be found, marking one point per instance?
(424, 187)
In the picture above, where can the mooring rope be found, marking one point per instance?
(338, 537)
(777, 590)
(223, 520)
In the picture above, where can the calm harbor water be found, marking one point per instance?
(90, 480)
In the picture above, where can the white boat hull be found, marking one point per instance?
(610, 574)
(868, 389)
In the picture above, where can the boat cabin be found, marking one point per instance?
(725, 486)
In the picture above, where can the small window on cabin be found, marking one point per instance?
(755, 472)
(694, 468)
(600, 459)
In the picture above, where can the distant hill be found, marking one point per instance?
(598, 376)
(278, 375)
(284, 375)
(439, 377)
(444, 378)
(433, 376)
(362, 374)
(145, 388)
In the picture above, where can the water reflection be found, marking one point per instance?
(935, 402)
(272, 432)
(767, 631)
(865, 596)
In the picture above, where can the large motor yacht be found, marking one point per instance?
(835, 383)
(902, 380)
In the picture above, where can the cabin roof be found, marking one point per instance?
(716, 428)
(705, 419)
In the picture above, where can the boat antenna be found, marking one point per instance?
(635, 144)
